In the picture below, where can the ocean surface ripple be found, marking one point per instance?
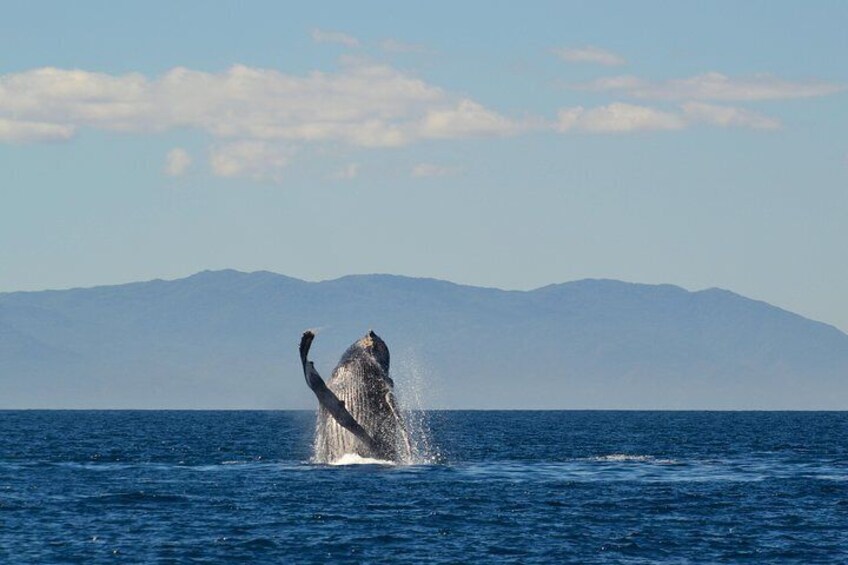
(522, 487)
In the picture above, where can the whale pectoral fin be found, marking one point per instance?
(305, 344)
(327, 399)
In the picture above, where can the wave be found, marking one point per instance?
(135, 497)
(627, 458)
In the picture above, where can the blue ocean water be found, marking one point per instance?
(523, 487)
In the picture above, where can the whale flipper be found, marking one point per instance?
(327, 399)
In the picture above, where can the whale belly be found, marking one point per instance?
(366, 397)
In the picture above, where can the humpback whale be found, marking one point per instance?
(357, 410)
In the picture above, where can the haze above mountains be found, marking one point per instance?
(227, 339)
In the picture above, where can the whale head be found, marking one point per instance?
(374, 346)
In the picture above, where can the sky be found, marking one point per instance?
(487, 143)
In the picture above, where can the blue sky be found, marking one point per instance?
(485, 143)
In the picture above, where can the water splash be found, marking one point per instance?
(411, 377)
(354, 459)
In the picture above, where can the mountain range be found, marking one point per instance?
(227, 339)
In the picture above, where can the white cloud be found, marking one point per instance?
(713, 86)
(258, 160)
(431, 170)
(466, 119)
(22, 131)
(589, 54)
(627, 118)
(324, 36)
(350, 171)
(363, 104)
(728, 116)
(177, 162)
(617, 118)
(74, 97)
(397, 46)
(252, 112)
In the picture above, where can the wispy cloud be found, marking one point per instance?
(350, 171)
(589, 54)
(257, 160)
(466, 119)
(422, 170)
(617, 118)
(23, 131)
(628, 118)
(397, 46)
(728, 116)
(338, 37)
(177, 162)
(713, 86)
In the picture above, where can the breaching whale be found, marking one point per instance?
(357, 412)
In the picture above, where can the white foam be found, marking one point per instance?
(626, 458)
(354, 459)
(620, 457)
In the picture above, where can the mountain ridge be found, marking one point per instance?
(227, 339)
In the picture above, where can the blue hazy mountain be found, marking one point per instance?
(227, 339)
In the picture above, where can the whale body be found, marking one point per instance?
(357, 410)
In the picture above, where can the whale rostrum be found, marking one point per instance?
(357, 412)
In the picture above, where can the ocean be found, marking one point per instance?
(512, 487)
